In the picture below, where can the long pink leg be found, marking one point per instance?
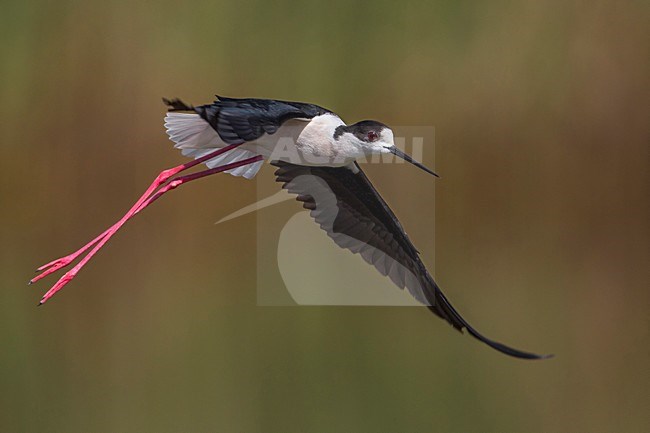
(142, 204)
(62, 262)
(59, 263)
(68, 276)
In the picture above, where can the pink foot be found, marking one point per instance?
(145, 200)
(62, 262)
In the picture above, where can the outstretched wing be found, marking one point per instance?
(240, 120)
(346, 205)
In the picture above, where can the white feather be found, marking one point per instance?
(190, 131)
(196, 138)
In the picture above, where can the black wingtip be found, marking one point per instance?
(452, 316)
(507, 350)
(177, 105)
(223, 98)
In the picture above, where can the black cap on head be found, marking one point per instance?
(362, 130)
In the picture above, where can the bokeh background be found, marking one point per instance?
(541, 114)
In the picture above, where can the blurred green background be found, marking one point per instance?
(541, 114)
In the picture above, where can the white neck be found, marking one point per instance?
(319, 147)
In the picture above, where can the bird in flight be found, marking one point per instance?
(316, 155)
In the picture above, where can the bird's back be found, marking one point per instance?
(295, 132)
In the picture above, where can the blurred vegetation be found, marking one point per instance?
(541, 117)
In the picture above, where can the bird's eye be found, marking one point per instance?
(372, 136)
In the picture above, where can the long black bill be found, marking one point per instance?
(395, 151)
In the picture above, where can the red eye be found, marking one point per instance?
(372, 136)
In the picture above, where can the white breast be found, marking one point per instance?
(314, 144)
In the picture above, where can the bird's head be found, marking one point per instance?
(372, 137)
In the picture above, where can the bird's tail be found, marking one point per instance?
(177, 105)
(197, 138)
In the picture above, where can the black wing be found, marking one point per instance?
(239, 120)
(346, 205)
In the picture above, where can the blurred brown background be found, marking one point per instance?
(541, 116)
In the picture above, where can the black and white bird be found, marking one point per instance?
(316, 155)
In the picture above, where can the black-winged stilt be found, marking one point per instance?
(316, 153)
